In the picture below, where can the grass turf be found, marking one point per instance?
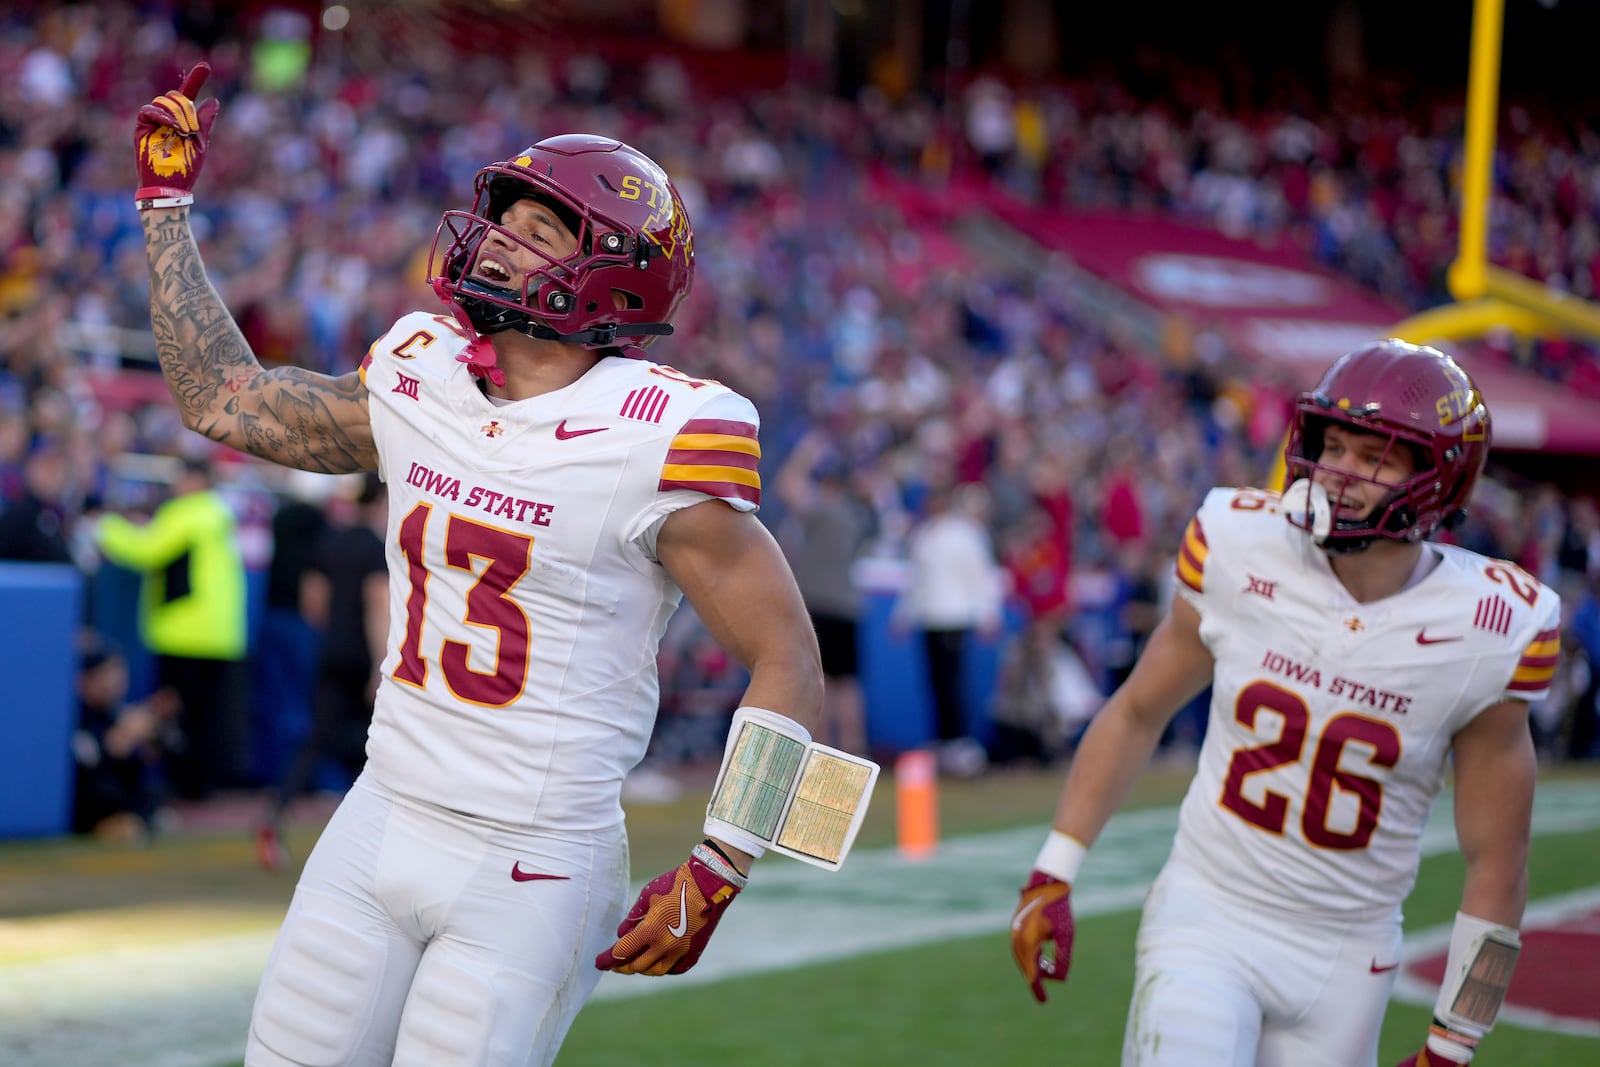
(954, 1002)
(962, 1002)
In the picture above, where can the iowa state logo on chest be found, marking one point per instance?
(1360, 694)
(466, 494)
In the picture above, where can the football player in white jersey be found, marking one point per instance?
(1352, 662)
(551, 493)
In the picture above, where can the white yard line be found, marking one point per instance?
(189, 1005)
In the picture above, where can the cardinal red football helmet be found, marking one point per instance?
(634, 262)
(1417, 397)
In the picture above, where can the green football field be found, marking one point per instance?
(886, 961)
(961, 1001)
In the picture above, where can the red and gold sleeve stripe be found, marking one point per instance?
(1537, 666)
(715, 456)
(1191, 565)
(366, 361)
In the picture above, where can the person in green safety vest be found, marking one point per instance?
(192, 617)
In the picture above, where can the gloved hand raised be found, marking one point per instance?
(674, 916)
(170, 141)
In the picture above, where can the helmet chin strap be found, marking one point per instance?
(479, 355)
(489, 317)
(601, 336)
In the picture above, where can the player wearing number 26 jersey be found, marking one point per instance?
(1354, 667)
(1331, 720)
(552, 495)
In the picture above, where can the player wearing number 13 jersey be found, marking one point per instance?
(531, 597)
(1353, 665)
(552, 494)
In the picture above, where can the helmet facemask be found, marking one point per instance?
(546, 296)
(618, 289)
(1396, 513)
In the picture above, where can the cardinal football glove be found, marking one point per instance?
(674, 916)
(1041, 931)
(170, 140)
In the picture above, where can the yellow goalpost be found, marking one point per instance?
(1486, 296)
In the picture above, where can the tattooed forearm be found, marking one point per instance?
(197, 341)
(297, 421)
(288, 414)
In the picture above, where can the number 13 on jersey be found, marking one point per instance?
(496, 560)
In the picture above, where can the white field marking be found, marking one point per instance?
(1550, 911)
(188, 1005)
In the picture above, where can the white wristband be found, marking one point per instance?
(742, 840)
(1061, 856)
(719, 866)
(1449, 1051)
(164, 201)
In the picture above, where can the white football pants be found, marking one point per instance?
(410, 942)
(1222, 982)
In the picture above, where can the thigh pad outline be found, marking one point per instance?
(320, 994)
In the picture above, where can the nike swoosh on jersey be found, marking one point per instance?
(564, 434)
(1386, 967)
(1424, 639)
(520, 875)
(683, 912)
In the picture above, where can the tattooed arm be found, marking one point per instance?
(290, 415)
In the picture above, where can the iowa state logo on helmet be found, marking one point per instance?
(678, 234)
(1462, 403)
(667, 225)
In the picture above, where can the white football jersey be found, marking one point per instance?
(1331, 721)
(526, 605)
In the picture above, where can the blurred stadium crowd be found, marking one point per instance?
(923, 359)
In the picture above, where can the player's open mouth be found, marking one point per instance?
(492, 270)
